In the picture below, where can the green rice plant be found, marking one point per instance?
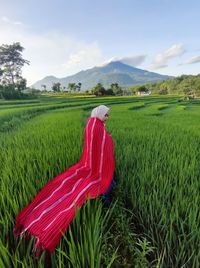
(86, 236)
(156, 161)
(141, 253)
(137, 106)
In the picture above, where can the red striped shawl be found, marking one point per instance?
(53, 208)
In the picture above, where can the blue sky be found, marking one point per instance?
(63, 37)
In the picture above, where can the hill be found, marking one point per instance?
(113, 72)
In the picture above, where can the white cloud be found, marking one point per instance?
(51, 53)
(193, 60)
(133, 60)
(161, 59)
(7, 20)
(88, 56)
(130, 60)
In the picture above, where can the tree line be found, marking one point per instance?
(98, 90)
(188, 85)
(57, 87)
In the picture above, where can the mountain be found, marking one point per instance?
(113, 72)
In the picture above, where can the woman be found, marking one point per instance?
(53, 208)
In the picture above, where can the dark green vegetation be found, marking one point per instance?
(189, 85)
(11, 62)
(154, 218)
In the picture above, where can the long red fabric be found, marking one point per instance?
(53, 208)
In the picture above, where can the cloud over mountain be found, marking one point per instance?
(131, 60)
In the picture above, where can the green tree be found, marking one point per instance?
(78, 87)
(117, 90)
(72, 86)
(11, 63)
(109, 92)
(142, 89)
(99, 90)
(163, 91)
(21, 84)
(186, 86)
(56, 87)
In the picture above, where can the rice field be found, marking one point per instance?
(154, 219)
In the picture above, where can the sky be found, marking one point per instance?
(63, 37)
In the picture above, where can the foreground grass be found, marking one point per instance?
(155, 219)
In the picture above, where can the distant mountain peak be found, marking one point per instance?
(119, 64)
(116, 63)
(112, 72)
(50, 76)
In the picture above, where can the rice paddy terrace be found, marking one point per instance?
(154, 220)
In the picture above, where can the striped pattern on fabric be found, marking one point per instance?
(53, 208)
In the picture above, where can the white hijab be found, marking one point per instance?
(100, 111)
